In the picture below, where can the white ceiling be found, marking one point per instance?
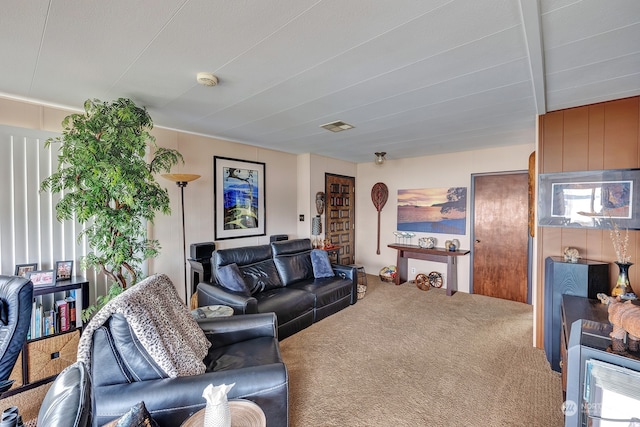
(415, 77)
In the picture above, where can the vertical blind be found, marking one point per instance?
(29, 229)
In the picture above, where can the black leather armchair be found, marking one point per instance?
(244, 351)
(68, 402)
(16, 298)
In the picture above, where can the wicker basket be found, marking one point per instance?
(362, 290)
(49, 356)
(388, 274)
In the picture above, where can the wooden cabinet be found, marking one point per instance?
(585, 278)
(43, 357)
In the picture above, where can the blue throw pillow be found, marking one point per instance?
(231, 278)
(321, 264)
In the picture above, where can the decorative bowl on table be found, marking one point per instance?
(427, 242)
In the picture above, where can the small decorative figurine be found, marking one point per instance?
(452, 245)
(571, 255)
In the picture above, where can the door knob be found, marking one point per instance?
(477, 241)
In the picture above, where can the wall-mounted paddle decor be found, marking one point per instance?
(379, 196)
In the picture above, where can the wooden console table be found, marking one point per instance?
(333, 251)
(436, 254)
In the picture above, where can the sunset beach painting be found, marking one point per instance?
(433, 210)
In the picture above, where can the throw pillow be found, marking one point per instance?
(231, 278)
(321, 264)
(138, 416)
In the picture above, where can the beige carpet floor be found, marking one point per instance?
(406, 357)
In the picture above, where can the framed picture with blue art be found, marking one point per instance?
(239, 197)
(433, 210)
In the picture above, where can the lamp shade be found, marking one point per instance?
(316, 226)
(180, 177)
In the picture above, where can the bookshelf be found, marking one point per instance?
(51, 344)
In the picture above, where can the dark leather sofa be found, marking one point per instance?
(244, 351)
(282, 281)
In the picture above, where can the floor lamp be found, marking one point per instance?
(181, 180)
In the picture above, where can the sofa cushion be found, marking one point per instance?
(321, 264)
(232, 278)
(261, 276)
(293, 260)
(241, 256)
(287, 304)
(255, 264)
(243, 354)
(326, 290)
(288, 247)
(139, 364)
(294, 268)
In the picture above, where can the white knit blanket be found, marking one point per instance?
(161, 322)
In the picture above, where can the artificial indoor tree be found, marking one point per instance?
(106, 165)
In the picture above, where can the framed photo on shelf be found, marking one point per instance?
(23, 269)
(64, 269)
(590, 199)
(42, 277)
(239, 198)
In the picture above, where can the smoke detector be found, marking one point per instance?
(207, 79)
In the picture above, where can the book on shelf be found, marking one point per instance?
(71, 309)
(37, 321)
(62, 309)
(50, 322)
(52, 319)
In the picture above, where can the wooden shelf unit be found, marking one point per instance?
(43, 358)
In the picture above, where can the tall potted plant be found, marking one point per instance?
(106, 166)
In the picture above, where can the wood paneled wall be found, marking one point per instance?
(593, 137)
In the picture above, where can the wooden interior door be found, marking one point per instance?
(500, 236)
(340, 214)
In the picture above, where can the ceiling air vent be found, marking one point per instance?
(337, 126)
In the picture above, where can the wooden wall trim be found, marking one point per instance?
(592, 137)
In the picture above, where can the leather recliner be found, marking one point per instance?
(68, 402)
(244, 351)
(16, 298)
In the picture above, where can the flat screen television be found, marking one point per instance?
(603, 388)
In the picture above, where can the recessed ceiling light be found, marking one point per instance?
(337, 126)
